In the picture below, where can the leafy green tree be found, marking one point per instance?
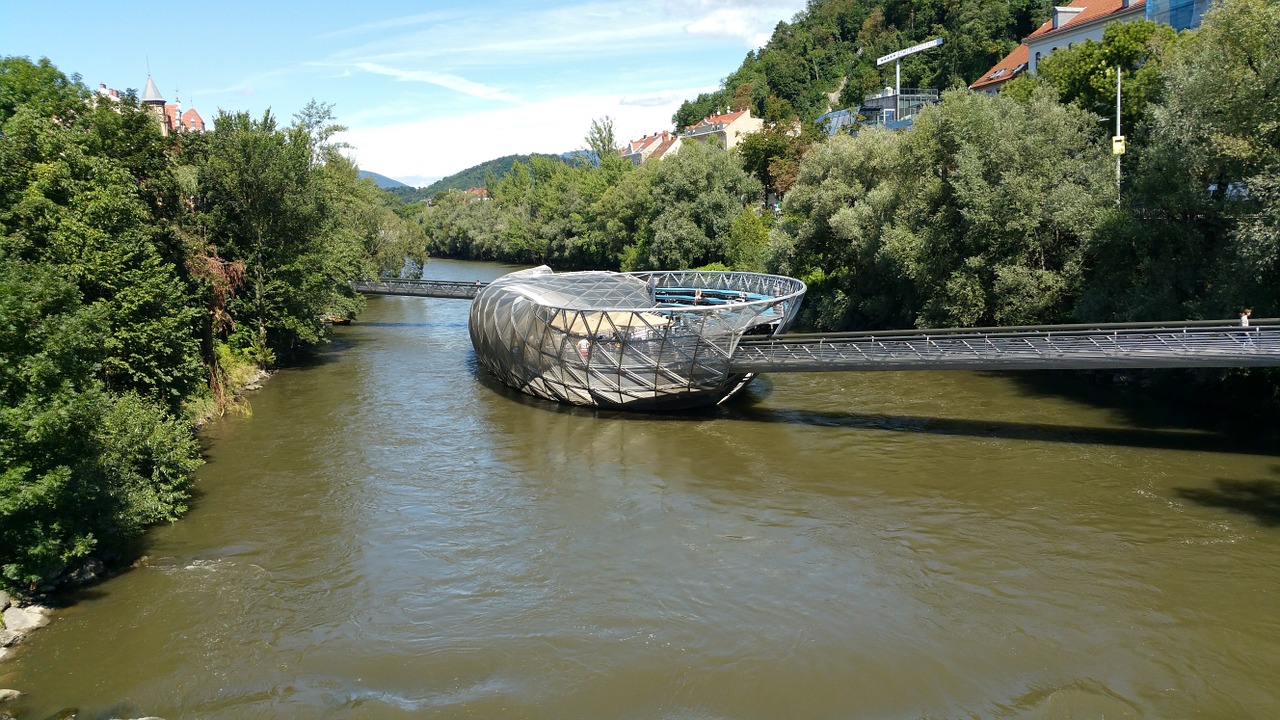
(773, 154)
(63, 204)
(624, 218)
(83, 470)
(977, 215)
(700, 190)
(265, 205)
(40, 86)
(1086, 74)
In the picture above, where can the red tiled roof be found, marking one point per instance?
(725, 118)
(636, 146)
(665, 146)
(1092, 10)
(1010, 67)
(191, 120)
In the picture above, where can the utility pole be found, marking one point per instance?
(1117, 142)
(897, 70)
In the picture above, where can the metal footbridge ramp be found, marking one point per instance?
(454, 289)
(1072, 347)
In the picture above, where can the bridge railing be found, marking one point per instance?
(1137, 345)
(455, 289)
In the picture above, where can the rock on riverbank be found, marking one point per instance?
(17, 622)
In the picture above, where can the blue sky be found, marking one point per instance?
(426, 88)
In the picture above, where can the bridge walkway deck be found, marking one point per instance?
(1076, 347)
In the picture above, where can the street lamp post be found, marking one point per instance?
(1117, 142)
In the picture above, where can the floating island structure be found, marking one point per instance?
(649, 340)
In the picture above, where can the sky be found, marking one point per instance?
(426, 88)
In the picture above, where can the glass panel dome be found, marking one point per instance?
(636, 340)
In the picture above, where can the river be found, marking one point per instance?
(389, 535)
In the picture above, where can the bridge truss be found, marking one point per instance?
(455, 289)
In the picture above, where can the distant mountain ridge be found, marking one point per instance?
(383, 181)
(473, 176)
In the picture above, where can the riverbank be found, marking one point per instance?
(22, 615)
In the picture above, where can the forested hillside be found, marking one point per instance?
(475, 176)
(142, 277)
(830, 50)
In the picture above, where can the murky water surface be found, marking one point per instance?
(390, 536)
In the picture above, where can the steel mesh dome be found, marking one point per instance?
(642, 340)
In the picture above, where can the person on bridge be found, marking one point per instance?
(1244, 317)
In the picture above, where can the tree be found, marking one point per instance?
(40, 86)
(977, 215)
(264, 206)
(773, 154)
(600, 140)
(700, 191)
(1086, 74)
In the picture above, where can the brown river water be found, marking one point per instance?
(389, 535)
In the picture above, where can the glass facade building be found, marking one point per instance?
(1181, 14)
(652, 340)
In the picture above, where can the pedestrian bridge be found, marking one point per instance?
(1066, 347)
(1205, 343)
(672, 339)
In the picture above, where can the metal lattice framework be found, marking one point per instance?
(1148, 345)
(419, 288)
(626, 339)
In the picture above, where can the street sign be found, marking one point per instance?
(1117, 145)
(908, 51)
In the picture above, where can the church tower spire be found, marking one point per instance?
(154, 103)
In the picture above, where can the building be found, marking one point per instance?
(652, 146)
(729, 127)
(1181, 14)
(111, 94)
(1070, 24)
(169, 115)
(891, 107)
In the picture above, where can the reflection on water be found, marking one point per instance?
(391, 535)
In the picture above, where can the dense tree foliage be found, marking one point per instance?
(133, 268)
(676, 212)
(977, 216)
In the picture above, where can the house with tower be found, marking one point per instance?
(170, 116)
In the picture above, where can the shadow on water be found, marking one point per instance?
(1257, 498)
(1234, 402)
(1006, 430)
(746, 409)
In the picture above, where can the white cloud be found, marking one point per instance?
(444, 80)
(415, 152)
(751, 22)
